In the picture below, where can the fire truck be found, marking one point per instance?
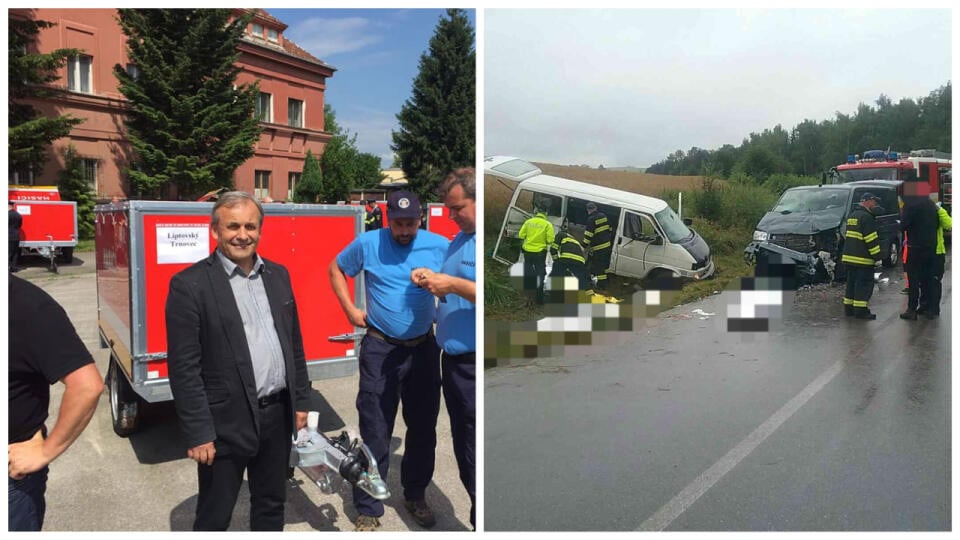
(928, 166)
(49, 224)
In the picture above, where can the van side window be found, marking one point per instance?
(639, 227)
(525, 200)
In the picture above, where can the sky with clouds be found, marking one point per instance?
(628, 87)
(376, 53)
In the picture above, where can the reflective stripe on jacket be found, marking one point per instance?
(597, 236)
(569, 249)
(862, 245)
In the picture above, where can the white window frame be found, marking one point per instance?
(264, 115)
(256, 30)
(261, 184)
(293, 178)
(273, 35)
(90, 170)
(78, 68)
(297, 121)
(134, 71)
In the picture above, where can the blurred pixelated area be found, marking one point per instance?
(573, 318)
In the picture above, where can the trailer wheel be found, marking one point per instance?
(124, 402)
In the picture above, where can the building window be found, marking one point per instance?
(22, 175)
(88, 171)
(79, 74)
(134, 71)
(292, 180)
(261, 184)
(256, 30)
(295, 113)
(273, 35)
(263, 109)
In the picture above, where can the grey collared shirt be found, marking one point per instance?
(262, 341)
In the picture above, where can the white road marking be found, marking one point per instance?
(689, 495)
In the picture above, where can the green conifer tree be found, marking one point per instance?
(310, 187)
(29, 133)
(189, 123)
(437, 124)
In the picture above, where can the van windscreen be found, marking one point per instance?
(672, 226)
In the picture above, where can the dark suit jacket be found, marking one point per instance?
(211, 373)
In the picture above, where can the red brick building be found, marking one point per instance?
(290, 105)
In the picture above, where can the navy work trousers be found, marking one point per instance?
(390, 375)
(459, 376)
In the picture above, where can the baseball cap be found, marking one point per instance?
(868, 197)
(403, 205)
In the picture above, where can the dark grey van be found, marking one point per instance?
(810, 221)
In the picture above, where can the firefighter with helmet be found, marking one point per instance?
(861, 251)
(597, 238)
(569, 259)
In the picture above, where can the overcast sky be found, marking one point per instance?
(628, 87)
(377, 55)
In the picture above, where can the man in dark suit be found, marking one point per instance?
(237, 369)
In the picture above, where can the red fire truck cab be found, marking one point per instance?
(928, 166)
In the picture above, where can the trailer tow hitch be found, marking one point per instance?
(327, 461)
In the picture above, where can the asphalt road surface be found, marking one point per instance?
(146, 483)
(822, 424)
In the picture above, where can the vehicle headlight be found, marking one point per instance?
(760, 236)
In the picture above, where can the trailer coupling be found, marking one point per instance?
(327, 461)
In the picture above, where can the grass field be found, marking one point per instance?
(726, 243)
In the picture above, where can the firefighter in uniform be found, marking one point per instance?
(374, 218)
(537, 235)
(569, 259)
(597, 238)
(861, 250)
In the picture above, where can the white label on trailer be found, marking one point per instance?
(436, 211)
(23, 209)
(153, 374)
(179, 243)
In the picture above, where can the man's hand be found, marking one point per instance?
(203, 454)
(26, 457)
(301, 420)
(357, 317)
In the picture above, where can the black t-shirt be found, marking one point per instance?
(44, 348)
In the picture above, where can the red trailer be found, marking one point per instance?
(49, 224)
(438, 221)
(141, 244)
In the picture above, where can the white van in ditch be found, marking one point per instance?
(649, 239)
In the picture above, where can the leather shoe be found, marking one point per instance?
(909, 315)
(868, 316)
(421, 513)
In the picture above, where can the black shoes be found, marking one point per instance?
(867, 316)
(909, 315)
(848, 311)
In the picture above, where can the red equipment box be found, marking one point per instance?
(438, 221)
(137, 255)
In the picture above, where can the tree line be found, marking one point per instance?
(812, 147)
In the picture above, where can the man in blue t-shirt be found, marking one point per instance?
(399, 360)
(456, 287)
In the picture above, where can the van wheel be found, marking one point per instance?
(893, 256)
(124, 402)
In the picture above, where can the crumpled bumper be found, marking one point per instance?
(797, 269)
